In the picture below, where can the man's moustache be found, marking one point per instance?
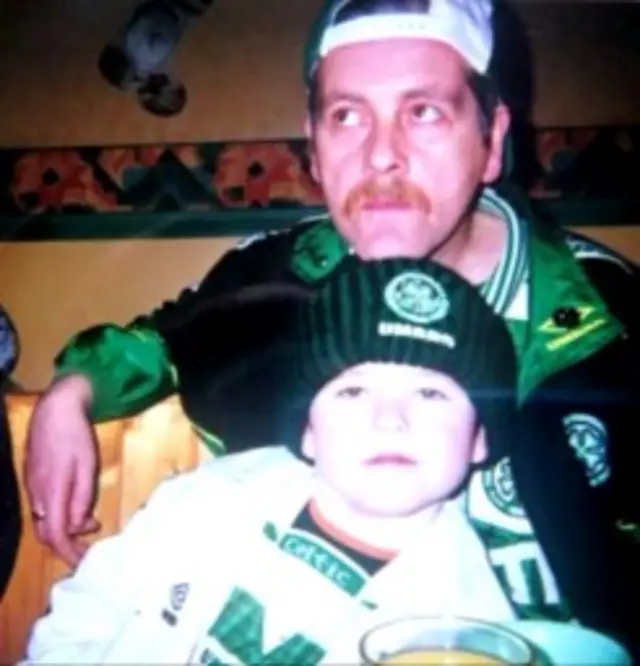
(397, 192)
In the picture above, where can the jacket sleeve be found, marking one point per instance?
(130, 367)
(89, 610)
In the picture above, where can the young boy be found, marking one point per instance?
(398, 380)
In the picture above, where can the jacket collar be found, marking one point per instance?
(568, 320)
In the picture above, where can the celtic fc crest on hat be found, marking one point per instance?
(416, 297)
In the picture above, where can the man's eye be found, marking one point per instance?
(425, 113)
(431, 394)
(346, 117)
(350, 392)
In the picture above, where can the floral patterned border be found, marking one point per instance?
(225, 178)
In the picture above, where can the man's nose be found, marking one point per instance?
(386, 154)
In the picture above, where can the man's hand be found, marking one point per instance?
(61, 467)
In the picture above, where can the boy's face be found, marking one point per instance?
(393, 439)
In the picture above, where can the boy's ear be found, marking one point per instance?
(480, 451)
(308, 444)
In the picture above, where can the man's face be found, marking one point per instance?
(392, 439)
(397, 145)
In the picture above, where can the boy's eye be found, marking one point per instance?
(431, 394)
(350, 392)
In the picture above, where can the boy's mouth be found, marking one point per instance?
(391, 459)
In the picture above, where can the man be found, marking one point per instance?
(406, 132)
(398, 379)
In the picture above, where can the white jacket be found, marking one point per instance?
(211, 570)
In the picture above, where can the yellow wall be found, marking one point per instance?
(55, 289)
(241, 64)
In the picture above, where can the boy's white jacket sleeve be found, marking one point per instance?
(89, 609)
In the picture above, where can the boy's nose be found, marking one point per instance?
(390, 416)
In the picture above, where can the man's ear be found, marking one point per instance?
(497, 144)
(480, 451)
(308, 444)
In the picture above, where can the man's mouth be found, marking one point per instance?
(394, 459)
(385, 203)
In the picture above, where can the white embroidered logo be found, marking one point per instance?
(589, 438)
(416, 297)
(177, 599)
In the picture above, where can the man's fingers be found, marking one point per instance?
(60, 465)
(41, 532)
(88, 526)
(81, 496)
(35, 486)
(64, 545)
(55, 524)
(72, 549)
(51, 523)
